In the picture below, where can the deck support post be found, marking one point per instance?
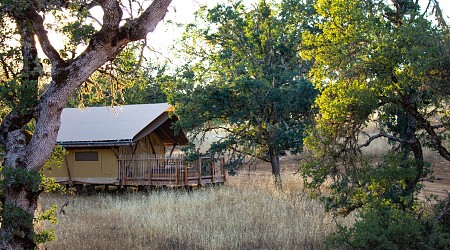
(212, 172)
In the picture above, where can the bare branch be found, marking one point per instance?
(47, 47)
(438, 13)
(5, 67)
(254, 155)
(383, 134)
(146, 22)
(371, 138)
(426, 9)
(96, 20)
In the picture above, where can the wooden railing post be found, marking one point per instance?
(185, 173)
(222, 168)
(150, 169)
(212, 172)
(199, 172)
(124, 172)
(176, 175)
(157, 170)
(119, 163)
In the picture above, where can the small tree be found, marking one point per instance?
(32, 96)
(245, 80)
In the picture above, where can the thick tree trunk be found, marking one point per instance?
(20, 186)
(19, 204)
(275, 163)
(25, 156)
(415, 147)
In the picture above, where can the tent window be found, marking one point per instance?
(86, 156)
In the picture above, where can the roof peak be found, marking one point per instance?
(107, 123)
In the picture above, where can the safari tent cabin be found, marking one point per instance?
(127, 145)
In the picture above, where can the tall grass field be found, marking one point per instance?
(246, 213)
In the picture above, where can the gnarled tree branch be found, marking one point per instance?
(425, 124)
(385, 135)
(47, 47)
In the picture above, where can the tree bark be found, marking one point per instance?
(19, 204)
(275, 163)
(432, 135)
(416, 148)
(25, 156)
(20, 186)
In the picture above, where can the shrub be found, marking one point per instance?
(386, 226)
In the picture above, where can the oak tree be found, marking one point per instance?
(245, 81)
(387, 64)
(32, 97)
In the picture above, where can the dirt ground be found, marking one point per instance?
(440, 185)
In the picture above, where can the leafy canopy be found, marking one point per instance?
(244, 79)
(381, 63)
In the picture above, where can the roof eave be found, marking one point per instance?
(84, 144)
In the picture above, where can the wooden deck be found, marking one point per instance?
(157, 170)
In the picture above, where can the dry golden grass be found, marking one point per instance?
(246, 213)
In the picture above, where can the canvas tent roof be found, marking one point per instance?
(107, 126)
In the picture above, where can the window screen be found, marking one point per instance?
(86, 156)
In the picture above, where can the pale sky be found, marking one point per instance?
(181, 11)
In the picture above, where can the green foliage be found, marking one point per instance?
(56, 158)
(49, 185)
(16, 215)
(18, 91)
(78, 31)
(123, 81)
(370, 68)
(77, 28)
(20, 219)
(20, 178)
(442, 210)
(49, 214)
(385, 181)
(45, 236)
(244, 79)
(386, 226)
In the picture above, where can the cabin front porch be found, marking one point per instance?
(157, 170)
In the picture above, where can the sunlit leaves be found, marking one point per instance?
(371, 67)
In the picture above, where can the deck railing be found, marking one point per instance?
(158, 170)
